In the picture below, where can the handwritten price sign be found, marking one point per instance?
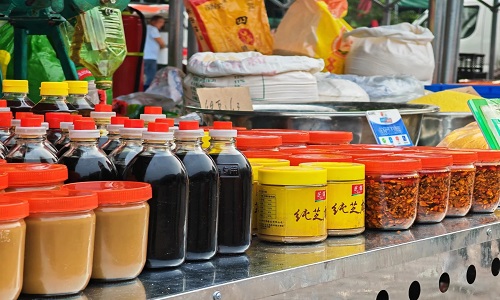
(230, 98)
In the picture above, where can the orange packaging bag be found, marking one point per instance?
(230, 25)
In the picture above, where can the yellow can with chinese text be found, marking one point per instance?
(255, 195)
(292, 204)
(345, 212)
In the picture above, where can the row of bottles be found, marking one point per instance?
(201, 201)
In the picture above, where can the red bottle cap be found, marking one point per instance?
(3, 103)
(11, 209)
(39, 117)
(169, 121)
(118, 120)
(157, 127)
(31, 122)
(103, 108)
(224, 125)
(84, 124)
(189, 125)
(5, 118)
(51, 115)
(115, 192)
(54, 123)
(153, 110)
(73, 118)
(134, 123)
(23, 114)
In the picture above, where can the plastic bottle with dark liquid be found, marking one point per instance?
(30, 147)
(203, 192)
(158, 166)
(54, 119)
(63, 143)
(102, 116)
(114, 139)
(151, 114)
(235, 195)
(16, 94)
(78, 97)
(45, 125)
(53, 99)
(86, 162)
(5, 123)
(131, 136)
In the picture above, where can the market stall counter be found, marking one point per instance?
(450, 260)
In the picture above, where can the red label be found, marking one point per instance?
(84, 73)
(246, 36)
(320, 195)
(357, 189)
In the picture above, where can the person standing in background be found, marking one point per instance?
(154, 43)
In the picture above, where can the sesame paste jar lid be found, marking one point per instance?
(340, 171)
(34, 174)
(114, 192)
(297, 159)
(13, 209)
(295, 175)
(269, 162)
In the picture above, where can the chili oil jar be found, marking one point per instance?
(345, 211)
(59, 241)
(30, 177)
(258, 142)
(12, 239)
(486, 194)
(434, 187)
(292, 204)
(330, 137)
(391, 192)
(297, 159)
(121, 233)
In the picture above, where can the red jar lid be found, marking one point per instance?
(265, 154)
(258, 141)
(4, 180)
(115, 192)
(27, 174)
(336, 147)
(429, 160)
(287, 136)
(376, 146)
(459, 157)
(420, 148)
(297, 159)
(361, 153)
(54, 201)
(390, 164)
(297, 150)
(385, 149)
(330, 137)
(486, 155)
(12, 209)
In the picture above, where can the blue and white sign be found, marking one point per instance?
(388, 127)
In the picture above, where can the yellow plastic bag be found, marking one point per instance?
(309, 28)
(230, 25)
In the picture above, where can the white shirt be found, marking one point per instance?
(152, 48)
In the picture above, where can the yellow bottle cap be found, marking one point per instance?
(15, 86)
(269, 162)
(77, 87)
(295, 175)
(54, 89)
(255, 171)
(338, 171)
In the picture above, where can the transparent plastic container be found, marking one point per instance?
(102, 115)
(60, 229)
(114, 140)
(391, 192)
(330, 137)
(13, 233)
(131, 136)
(30, 177)
(486, 196)
(121, 227)
(258, 142)
(53, 99)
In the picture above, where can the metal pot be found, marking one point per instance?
(436, 126)
(344, 116)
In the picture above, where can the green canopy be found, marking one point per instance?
(414, 3)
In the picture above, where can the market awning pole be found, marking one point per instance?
(493, 40)
(192, 42)
(451, 41)
(437, 17)
(175, 33)
(388, 6)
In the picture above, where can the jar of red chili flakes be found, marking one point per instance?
(486, 194)
(391, 192)
(434, 187)
(330, 137)
(463, 173)
(258, 142)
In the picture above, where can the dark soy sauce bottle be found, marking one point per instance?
(30, 147)
(53, 99)
(63, 143)
(158, 166)
(54, 119)
(5, 123)
(15, 92)
(235, 195)
(84, 160)
(131, 136)
(102, 116)
(113, 134)
(78, 90)
(203, 192)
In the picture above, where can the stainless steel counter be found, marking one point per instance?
(460, 255)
